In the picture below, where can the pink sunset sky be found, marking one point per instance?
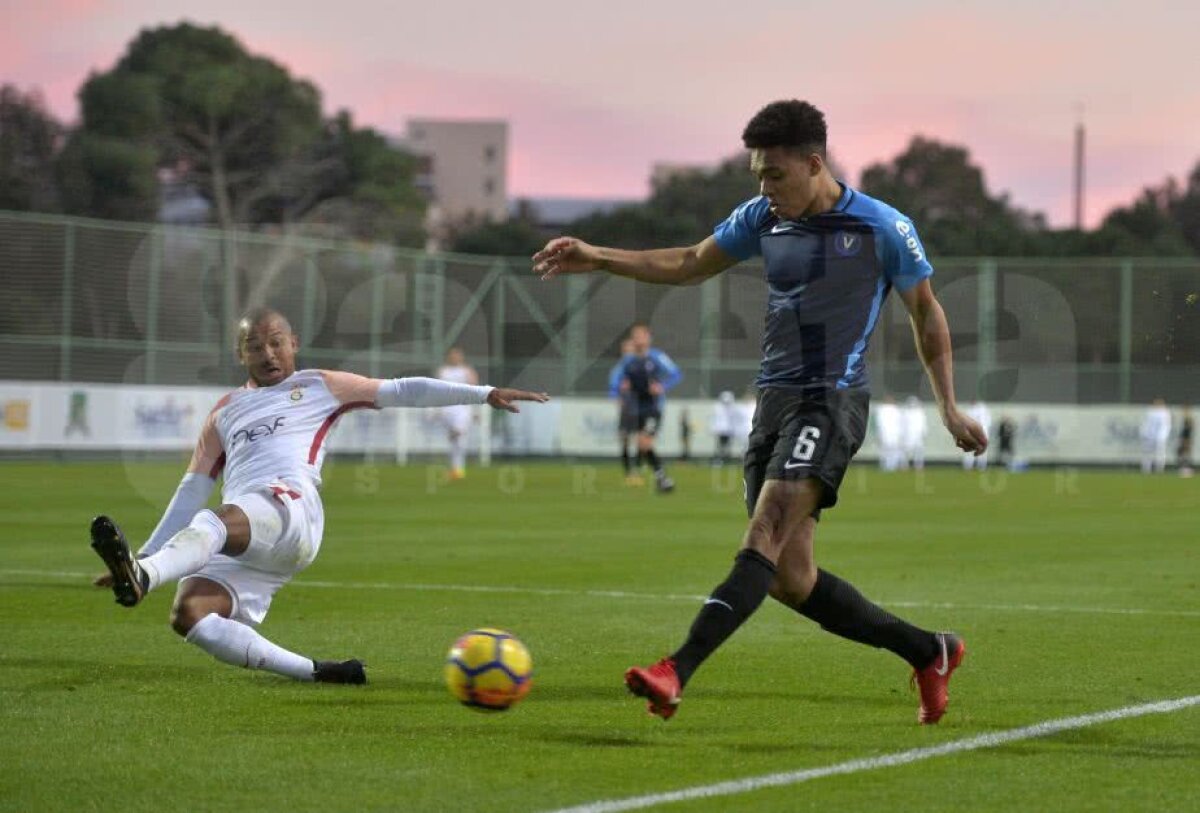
(596, 93)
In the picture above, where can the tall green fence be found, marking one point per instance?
(97, 301)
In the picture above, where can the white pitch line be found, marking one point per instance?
(775, 780)
(625, 594)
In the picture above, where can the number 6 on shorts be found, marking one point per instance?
(806, 444)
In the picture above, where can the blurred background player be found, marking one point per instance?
(646, 377)
(746, 409)
(1183, 450)
(626, 415)
(457, 419)
(267, 439)
(978, 411)
(1156, 429)
(685, 435)
(726, 418)
(1006, 437)
(889, 428)
(916, 427)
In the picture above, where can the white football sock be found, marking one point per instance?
(187, 551)
(234, 643)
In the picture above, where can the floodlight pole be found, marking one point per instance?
(1079, 172)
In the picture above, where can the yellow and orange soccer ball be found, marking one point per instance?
(488, 669)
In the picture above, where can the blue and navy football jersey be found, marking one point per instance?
(615, 375)
(827, 276)
(640, 371)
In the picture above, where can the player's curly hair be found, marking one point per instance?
(787, 123)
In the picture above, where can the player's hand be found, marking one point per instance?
(656, 388)
(502, 398)
(565, 255)
(104, 581)
(968, 434)
(624, 385)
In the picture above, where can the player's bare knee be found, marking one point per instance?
(793, 585)
(801, 582)
(186, 614)
(763, 533)
(760, 534)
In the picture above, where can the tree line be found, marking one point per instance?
(191, 106)
(936, 184)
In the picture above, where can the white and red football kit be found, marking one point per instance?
(269, 444)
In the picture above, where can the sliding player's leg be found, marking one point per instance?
(218, 609)
(209, 533)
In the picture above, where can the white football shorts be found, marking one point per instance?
(285, 535)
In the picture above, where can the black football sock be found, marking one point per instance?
(839, 608)
(655, 463)
(734, 600)
(625, 461)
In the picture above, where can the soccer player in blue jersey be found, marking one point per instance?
(831, 256)
(626, 414)
(646, 376)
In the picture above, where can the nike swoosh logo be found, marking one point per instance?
(780, 228)
(718, 601)
(791, 465)
(945, 659)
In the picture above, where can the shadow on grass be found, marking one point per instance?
(9, 584)
(1144, 750)
(1104, 743)
(585, 740)
(70, 673)
(801, 696)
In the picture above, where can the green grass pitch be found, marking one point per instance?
(105, 708)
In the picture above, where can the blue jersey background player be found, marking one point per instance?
(831, 256)
(625, 407)
(645, 378)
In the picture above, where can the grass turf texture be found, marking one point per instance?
(105, 708)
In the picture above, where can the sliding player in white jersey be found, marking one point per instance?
(269, 440)
(457, 419)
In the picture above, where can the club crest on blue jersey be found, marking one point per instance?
(847, 243)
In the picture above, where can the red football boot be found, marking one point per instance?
(659, 684)
(934, 679)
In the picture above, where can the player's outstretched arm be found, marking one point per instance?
(664, 266)
(931, 334)
(504, 398)
(418, 391)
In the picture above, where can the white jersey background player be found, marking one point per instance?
(888, 430)
(724, 424)
(1155, 431)
(268, 440)
(457, 419)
